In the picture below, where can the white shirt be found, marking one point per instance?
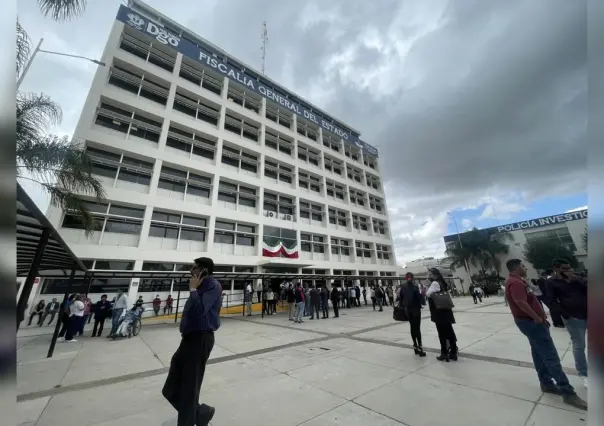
(434, 288)
(77, 308)
(372, 293)
(248, 288)
(269, 295)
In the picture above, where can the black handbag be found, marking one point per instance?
(442, 300)
(399, 314)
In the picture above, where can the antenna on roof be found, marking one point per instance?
(263, 48)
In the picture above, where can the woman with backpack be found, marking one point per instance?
(441, 314)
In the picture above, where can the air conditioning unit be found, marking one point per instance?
(288, 217)
(270, 214)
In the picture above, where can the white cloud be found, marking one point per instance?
(576, 209)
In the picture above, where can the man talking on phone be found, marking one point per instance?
(200, 319)
(531, 320)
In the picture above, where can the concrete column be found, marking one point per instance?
(134, 283)
(210, 232)
(155, 177)
(142, 241)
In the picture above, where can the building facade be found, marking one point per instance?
(565, 228)
(202, 156)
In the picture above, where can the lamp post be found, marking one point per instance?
(460, 243)
(37, 49)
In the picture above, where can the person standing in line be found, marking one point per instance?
(364, 292)
(410, 299)
(541, 282)
(315, 301)
(442, 318)
(168, 307)
(64, 318)
(258, 289)
(291, 301)
(118, 308)
(357, 293)
(269, 301)
(156, 305)
(200, 320)
(89, 302)
(76, 319)
(325, 301)
(373, 297)
(567, 296)
(300, 299)
(335, 299)
(249, 294)
(87, 306)
(531, 320)
(38, 311)
(102, 310)
(390, 294)
(51, 309)
(380, 297)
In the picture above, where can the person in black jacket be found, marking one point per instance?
(554, 313)
(335, 299)
(411, 300)
(315, 301)
(325, 302)
(442, 318)
(102, 311)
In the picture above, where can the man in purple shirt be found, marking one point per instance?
(200, 319)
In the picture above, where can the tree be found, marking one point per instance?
(62, 10)
(541, 253)
(58, 165)
(584, 239)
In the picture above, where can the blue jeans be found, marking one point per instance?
(115, 320)
(545, 355)
(299, 312)
(577, 328)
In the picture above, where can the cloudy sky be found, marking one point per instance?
(478, 107)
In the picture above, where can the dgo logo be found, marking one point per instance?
(162, 35)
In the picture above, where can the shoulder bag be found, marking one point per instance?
(442, 300)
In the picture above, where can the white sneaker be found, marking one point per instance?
(585, 382)
(61, 339)
(71, 341)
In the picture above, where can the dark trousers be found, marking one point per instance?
(64, 318)
(373, 300)
(259, 295)
(31, 317)
(314, 309)
(447, 338)
(474, 297)
(52, 317)
(325, 308)
(97, 330)
(365, 298)
(83, 323)
(75, 323)
(185, 377)
(545, 355)
(156, 310)
(167, 309)
(556, 317)
(336, 309)
(415, 321)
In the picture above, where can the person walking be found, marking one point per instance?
(300, 298)
(335, 299)
(325, 302)
(364, 292)
(291, 301)
(76, 319)
(249, 295)
(156, 305)
(567, 296)
(315, 301)
(531, 320)
(200, 320)
(38, 311)
(51, 309)
(472, 291)
(442, 318)
(118, 308)
(410, 299)
(102, 310)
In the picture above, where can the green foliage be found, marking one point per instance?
(480, 248)
(541, 252)
(62, 10)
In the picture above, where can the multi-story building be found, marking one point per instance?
(565, 228)
(201, 155)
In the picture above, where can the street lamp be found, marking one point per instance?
(460, 243)
(31, 59)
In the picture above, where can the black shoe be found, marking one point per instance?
(205, 413)
(415, 350)
(453, 354)
(575, 401)
(551, 388)
(444, 358)
(421, 352)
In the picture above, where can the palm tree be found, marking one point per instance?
(62, 10)
(58, 165)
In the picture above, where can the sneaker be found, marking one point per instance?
(551, 388)
(575, 401)
(61, 339)
(71, 341)
(585, 382)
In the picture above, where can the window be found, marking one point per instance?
(157, 285)
(559, 235)
(113, 265)
(185, 182)
(308, 155)
(129, 169)
(241, 126)
(278, 142)
(189, 142)
(341, 247)
(383, 252)
(140, 45)
(246, 99)
(177, 226)
(354, 174)
(331, 142)
(238, 194)
(312, 243)
(352, 153)
(335, 190)
(82, 286)
(369, 161)
(279, 237)
(278, 203)
(363, 249)
(129, 121)
(112, 218)
(380, 227)
(360, 222)
(278, 171)
(196, 107)
(338, 217)
(357, 197)
(279, 115)
(307, 129)
(309, 181)
(227, 232)
(238, 158)
(311, 211)
(333, 165)
(142, 84)
(373, 181)
(376, 204)
(192, 72)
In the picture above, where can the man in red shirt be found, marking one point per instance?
(532, 322)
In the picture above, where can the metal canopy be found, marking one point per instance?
(32, 226)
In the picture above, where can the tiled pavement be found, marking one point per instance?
(355, 370)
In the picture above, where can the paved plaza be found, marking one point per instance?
(356, 370)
